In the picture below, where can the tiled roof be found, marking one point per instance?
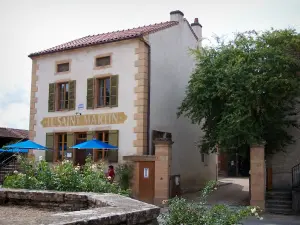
(108, 37)
(13, 133)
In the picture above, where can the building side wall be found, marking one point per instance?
(282, 163)
(123, 59)
(171, 67)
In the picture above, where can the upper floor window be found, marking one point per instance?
(102, 92)
(63, 96)
(102, 61)
(62, 67)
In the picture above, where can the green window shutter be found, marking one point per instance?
(72, 94)
(90, 93)
(114, 83)
(90, 135)
(70, 143)
(51, 97)
(113, 139)
(50, 145)
(70, 140)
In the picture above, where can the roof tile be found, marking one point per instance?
(107, 37)
(13, 133)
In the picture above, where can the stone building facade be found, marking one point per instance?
(123, 88)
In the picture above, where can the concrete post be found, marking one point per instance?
(163, 160)
(257, 172)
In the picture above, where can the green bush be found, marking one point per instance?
(183, 212)
(62, 177)
(125, 173)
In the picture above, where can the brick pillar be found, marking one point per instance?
(257, 172)
(163, 159)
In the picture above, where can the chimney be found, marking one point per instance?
(176, 15)
(197, 28)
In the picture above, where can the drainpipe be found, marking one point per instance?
(149, 150)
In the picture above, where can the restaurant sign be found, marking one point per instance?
(84, 120)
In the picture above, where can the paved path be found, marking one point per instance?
(232, 191)
(271, 219)
(235, 192)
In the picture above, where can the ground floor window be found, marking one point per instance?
(103, 153)
(61, 146)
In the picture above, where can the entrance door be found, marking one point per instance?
(146, 181)
(80, 153)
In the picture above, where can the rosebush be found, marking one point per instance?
(182, 212)
(62, 177)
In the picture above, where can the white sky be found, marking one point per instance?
(27, 26)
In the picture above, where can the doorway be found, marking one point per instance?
(146, 181)
(80, 154)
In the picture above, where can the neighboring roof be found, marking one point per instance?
(13, 133)
(107, 37)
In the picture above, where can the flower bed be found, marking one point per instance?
(62, 177)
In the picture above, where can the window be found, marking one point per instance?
(103, 92)
(102, 61)
(62, 67)
(103, 153)
(61, 146)
(63, 96)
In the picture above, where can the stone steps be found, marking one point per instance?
(279, 202)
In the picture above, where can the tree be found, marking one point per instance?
(246, 90)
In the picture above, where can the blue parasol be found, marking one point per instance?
(26, 145)
(14, 150)
(94, 144)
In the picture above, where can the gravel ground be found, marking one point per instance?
(19, 215)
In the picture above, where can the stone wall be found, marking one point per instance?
(84, 208)
(282, 164)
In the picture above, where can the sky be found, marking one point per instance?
(28, 26)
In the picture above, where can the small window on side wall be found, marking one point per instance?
(63, 67)
(102, 61)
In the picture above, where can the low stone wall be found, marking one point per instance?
(83, 208)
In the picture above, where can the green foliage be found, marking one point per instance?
(125, 174)
(245, 91)
(62, 177)
(183, 212)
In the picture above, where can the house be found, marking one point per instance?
(124, 88)
(8, 159)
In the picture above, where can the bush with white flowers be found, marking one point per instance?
(63, 176)
(185, 213)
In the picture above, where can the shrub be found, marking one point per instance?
(62, 177)
(183, 212)
(125, 173)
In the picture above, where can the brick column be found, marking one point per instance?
(257, 172)
(163, 159)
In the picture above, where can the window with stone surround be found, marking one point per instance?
(61, 146)
(62, 67)
(102, 92)
(102, 61)
(63, 96)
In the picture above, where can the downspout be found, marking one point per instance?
(149, 150)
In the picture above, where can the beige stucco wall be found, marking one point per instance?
(171, 67)
(123, 56)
